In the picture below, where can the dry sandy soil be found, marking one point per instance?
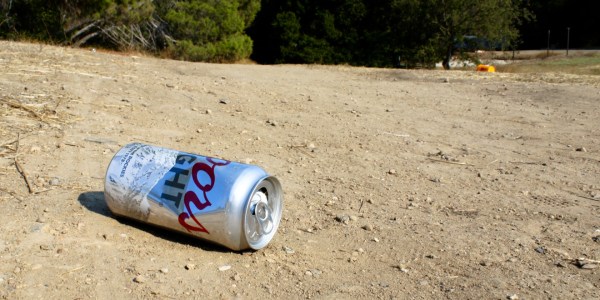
(398, 184)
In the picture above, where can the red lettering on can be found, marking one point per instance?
(191, 198)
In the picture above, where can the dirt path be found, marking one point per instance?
(398, 184)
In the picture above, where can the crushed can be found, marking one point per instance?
(228, 203)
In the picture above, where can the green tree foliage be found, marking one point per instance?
(494, 22)
(210, 30)
(379, 32)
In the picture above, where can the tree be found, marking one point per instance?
(494, 21)
(209, 30)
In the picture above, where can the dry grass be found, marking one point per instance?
(587, 63)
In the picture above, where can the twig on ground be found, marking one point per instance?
(394, 134)
(4, 144)
(450, 162)
(22, 172)
(20, 168)
(73, 270)
(23, 107)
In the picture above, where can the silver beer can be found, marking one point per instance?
(232, 204)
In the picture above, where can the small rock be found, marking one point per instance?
(199, 130)
(589, 266)
(430, 256)
(224, 268)
(223, 101)
(392, 172)
(190, 266)
(540, 250)
(512, 297)
(272, 123)
(208, 112)
(368, 227)
(41, 220)
(446, 80)
(164, 270)
(560, 264)
(54, 181)
(170, 85)
(288, 250)
(596, 239)
(139, 279)
(581, 149)
(376, 240)
(35, 149)
(343, 219)
(236, 277)
(353, 218)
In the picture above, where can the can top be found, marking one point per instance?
(263, 212)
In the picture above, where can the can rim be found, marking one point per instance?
(270, 186)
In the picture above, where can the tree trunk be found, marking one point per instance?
(447, 57)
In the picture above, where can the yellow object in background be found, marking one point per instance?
(486, 68)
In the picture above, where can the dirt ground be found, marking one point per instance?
(398, 184)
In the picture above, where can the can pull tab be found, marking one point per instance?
(263, 215)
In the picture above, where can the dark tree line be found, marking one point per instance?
(581, 17)
(383, 33)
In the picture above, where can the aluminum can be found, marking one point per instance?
(228, 203)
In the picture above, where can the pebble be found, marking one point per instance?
(368, 227)
(139, 279)
(288, 250)
(208, 112)
(164, 270)
(236, 277)
(272, 123)
(589, 266)
(223, 101)
(540, 250)
(392, 172)
(54, 181)
(190, 266)
(512, 297)
(376, 240)
(446, 80)
(581, 149)
(41, 220)
(224, 268)
(35, 149)
(343, 219)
